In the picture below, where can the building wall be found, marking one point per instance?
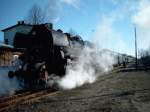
(10, 34)
(5, 58)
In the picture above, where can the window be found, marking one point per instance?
(6, 41)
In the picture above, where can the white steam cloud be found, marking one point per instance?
(142, 16)
(142, 21)
(105, 36)
(54, 8)
(7, 86)
(110, 30)
(90, 65)
(74, 3)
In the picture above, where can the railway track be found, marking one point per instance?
(24, 98)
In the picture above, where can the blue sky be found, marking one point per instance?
(109, 23)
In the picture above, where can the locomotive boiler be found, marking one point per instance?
(46, 52)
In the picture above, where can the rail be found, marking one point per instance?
(24, 98)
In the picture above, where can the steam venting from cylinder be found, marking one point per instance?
(90, 64)
(7, 86)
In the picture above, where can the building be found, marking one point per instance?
(5, 54)
(20, 27)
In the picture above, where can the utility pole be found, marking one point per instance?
(135, 48)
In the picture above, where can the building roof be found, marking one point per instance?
(2, 45)
(15, 26)
(22, 23)
(5, 47)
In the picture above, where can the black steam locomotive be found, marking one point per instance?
(46, 52)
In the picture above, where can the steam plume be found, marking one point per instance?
(7, 86)
(90, 65)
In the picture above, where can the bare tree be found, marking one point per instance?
(36, 15)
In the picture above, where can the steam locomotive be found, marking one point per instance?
(46, 52)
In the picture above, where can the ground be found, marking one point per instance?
(114, 92)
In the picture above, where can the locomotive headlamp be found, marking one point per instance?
(44, 67)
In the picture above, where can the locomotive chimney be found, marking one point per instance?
(22, 22)
(19, 22)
